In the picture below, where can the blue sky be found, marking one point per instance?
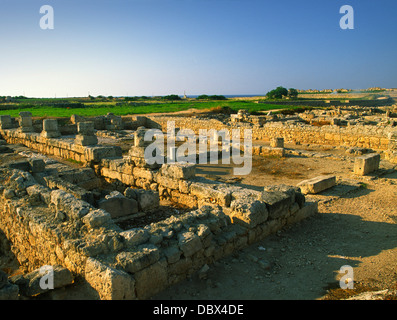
(160, 47)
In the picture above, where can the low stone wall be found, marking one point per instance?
(64, 147)
(52, 227)
(365, 136)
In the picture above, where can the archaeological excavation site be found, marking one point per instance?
(78, 194)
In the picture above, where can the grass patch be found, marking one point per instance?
(102, 108)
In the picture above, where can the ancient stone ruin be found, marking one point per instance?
(98, 212)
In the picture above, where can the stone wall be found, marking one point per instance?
(52, 227)
(65, 148)
(365, 136)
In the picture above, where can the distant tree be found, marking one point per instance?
(217, 97)
(203, 97)
(213, 97)
(172, 97)
(292, 93)
(110, 97)
(277, 93)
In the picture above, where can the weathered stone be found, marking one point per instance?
(179, 170)
(249, 212)
(277, 143)
(173, 254)
(147, 199)
(317, 184)
(151, 280)
(5, 122)
(135, 236)
(96, 218)
(97, 153)
(137, 260)
(25, 122)
(50, 129)
(222, 196)
(189, 243)
(118, 205)
(42, 280)
(66, 202)
(111, 284)
(86, 128)
(37, 165)
(43, 193)
(86, 140)
(277, 203)
(366, 164)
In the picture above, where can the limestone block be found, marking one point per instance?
(167, 182)
(25, 122)
(66, 202)
(86, 140)
(135, 236)
(50, 128)
(37, 165)
(277, 203)
(137, 152)
(366, 164)
(111, 284)
(249, 212)
(317, 184)
(309, 209)
(97, 153)
(5, 122)
(151, 280)
(96, 218)
(86, 128)
(172, 254)
(29, 284)
(277, 143)
(142, 173)
(189, 243)
(183, 171)
(39, 191)
(204, 191)
(134, 261)
(147, 199)
(118, 205)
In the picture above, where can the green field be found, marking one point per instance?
(102, 108)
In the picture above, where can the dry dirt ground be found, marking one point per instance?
(356, 226)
